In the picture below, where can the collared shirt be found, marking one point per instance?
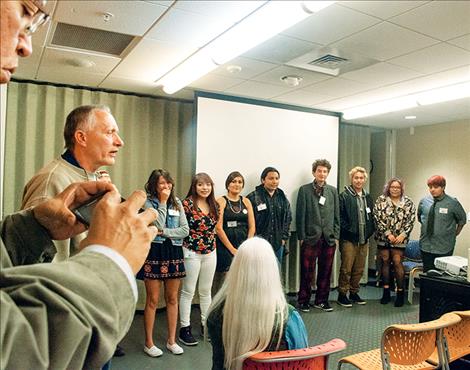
(448, 213)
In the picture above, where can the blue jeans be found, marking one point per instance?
(107, 366)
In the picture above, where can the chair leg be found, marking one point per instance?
(411, 286)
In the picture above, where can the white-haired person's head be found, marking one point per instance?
(254, 302)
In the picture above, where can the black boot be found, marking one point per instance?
(186, 337)
(400, 300)
(385, 296)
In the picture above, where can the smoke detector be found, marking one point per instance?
(291, 80)
(80, 63)
(233, 69)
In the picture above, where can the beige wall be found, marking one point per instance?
(437, 149)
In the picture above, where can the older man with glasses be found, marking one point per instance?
(68, 315)
(20, 19)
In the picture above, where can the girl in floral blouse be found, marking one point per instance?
(200, 258)
(394, 215)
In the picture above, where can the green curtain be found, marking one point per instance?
(354, 150)
(157, 132)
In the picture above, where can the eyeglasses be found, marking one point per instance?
(40, 17)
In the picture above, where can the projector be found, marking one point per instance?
(451, 264)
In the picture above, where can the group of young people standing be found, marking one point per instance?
(326, 220)
(199, 236)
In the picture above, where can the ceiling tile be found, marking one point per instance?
(463, 41)
(443, 20)
(129, 17)
(51, 74)
(193, 29)
(419, 84)
(249, 68)
(330, 24)
(280, 49)
(65, 60)
(230, 10)
(215, 83)
(274, 76)
(255, 89)
(124, 84)
(425, 115)
(338, 87)
(166, 3)
(381, 74)
(435, 58)
(142, 87)
(431, 81)
(301, 97)
(385, 41)
(150, 59)
(382, 9)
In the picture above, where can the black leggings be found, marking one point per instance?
(396, 255)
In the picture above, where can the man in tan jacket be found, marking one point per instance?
(91, 140)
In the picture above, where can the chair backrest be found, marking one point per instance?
(458, 336)
(412, 251)
(315, 357)
(414, 343)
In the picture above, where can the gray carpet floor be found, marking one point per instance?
(360, 327)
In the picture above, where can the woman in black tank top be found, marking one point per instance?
(236, 221)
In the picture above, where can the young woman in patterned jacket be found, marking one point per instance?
(394, 215)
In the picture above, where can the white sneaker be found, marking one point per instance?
(174, 348)
(153, 351)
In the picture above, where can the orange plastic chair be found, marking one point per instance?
(315, 357)
(406, 346)
(456, 338)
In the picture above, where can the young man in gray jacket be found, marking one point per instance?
(318, 232)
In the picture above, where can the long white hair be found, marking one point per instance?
(255, 306)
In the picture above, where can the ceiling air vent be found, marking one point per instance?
(90, 39)
(331, 61)
(328, 61)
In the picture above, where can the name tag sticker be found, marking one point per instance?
(322, 200)
(443, 210)
(231, 223)
(261, 207)
(367, 209)
(173, 212)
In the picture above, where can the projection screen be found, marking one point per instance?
(248, 136)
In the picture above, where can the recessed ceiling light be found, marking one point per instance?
(410, 117)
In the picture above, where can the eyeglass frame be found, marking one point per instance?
(40, 17)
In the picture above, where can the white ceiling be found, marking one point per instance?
(417, 45)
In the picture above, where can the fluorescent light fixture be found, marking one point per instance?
(188, 71)
(438, 95)
(410, 117)
(385, 106)
(265, 22)
(443, 94)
